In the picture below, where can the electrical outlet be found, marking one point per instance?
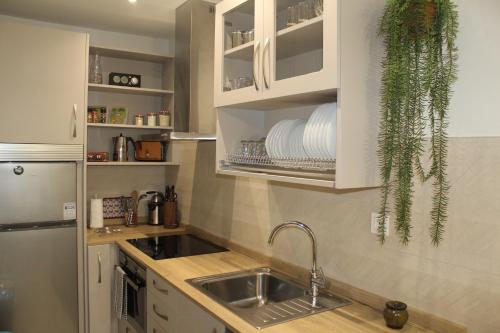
(374, 224)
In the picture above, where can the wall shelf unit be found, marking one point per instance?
(112, 163)
(127, 126)
(128, 90)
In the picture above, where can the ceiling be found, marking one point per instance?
(145, 17)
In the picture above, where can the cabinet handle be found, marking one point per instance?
(256, 57)
(266, 47)
(74, 120)
(164, 317)
(99, 261)
(126, 330)
(165, 291)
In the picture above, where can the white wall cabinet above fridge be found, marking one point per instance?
(333, 56)
(44, 74)
(289, 54)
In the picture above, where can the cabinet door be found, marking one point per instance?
(101, 262)
(237, 76)
(125, 327)
(43, 87)
(193, 319)
(300, 47)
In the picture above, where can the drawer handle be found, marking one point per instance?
(165, 291)
(164, 317)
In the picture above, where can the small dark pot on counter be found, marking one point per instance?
(395, 314)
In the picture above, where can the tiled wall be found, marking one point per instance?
(460, 280)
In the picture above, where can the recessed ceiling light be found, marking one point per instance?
(132, 1)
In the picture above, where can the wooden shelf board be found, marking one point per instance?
(300, 38)
(129, 126)
(132, 164)
(128, 90)
(129, 54)
(243, 52)
(279, 178)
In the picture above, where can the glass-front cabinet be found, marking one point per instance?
(268, 49)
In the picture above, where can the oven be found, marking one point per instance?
(136, 295)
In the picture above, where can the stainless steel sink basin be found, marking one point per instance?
(264, 297)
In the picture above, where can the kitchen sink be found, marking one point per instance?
(264, 297)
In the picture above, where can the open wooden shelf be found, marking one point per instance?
(299, 38)
(243, 52)
(128, 90)
(129, 126)
(112, 163)
(130, 54)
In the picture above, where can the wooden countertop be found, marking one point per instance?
(141, 231)
(355, 318)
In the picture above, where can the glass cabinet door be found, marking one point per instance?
(240, 30)
(296, 55)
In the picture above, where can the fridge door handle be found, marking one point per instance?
(74, 119)
(99, 268)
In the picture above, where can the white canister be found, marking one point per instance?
(151, 119)
(96, 214)
(164, 118)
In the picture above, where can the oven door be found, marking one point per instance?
(136, 303)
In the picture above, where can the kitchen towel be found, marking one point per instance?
(96, 214)
(120, 293)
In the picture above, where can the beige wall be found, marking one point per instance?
(460, 280)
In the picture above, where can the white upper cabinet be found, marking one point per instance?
(330, 56)
(44, 74)
(289, 54)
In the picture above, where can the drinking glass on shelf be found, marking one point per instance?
(237, 38)
(245, 149)
(317, 7)
(252, 148)
(291, 16)
(95, 73)
(304, 11)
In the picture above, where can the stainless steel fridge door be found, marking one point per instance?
(37, 192)
(38, 280)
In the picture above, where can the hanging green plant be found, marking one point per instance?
(419, 68)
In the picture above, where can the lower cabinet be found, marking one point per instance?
(171, 312)
(125, 327)
(101, 262)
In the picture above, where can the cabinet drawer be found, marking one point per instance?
(154, 327)
(161, 312)
(159, 287)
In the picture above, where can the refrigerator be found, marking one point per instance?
(38, 245)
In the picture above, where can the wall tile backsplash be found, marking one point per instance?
(457, 280)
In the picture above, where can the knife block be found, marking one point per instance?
(170, 214)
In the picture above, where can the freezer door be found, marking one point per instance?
(37, 192)
(38, 280)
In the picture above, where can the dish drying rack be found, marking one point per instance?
(305, 167)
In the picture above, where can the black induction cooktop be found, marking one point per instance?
(175, 246)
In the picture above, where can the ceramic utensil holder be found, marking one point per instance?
(170, 215)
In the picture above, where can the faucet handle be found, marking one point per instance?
(318, 278)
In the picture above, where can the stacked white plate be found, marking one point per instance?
(320, 134)
(301, 139)
(285, 139)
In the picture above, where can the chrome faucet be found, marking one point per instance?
(317, 276)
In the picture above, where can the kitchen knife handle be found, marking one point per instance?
(99, 262)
